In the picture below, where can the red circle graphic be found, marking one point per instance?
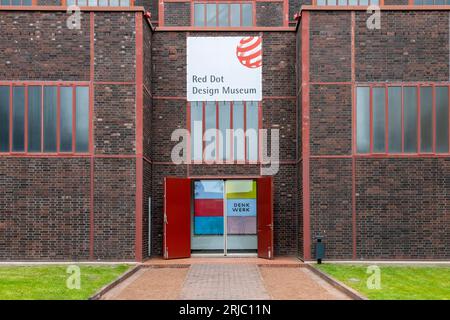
(249, 52)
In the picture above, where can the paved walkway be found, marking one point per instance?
(228, 279)
(223, 282)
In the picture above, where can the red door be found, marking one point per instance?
(265, 217)
(177, 218)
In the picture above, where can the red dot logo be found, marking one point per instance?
(249, 52)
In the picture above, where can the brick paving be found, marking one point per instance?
(224, 281)
(225, 278)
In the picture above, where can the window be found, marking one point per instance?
(99, 3)
(44, 118)
(402, 119)
(223, 14)
(347, 2)
(16, 2)
(224, 131)
(431, 2)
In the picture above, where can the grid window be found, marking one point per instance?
(224, 131)
(44, 119)
(223, 14)
(402, 119)
(347, 2)
(99, 3)
(16, 2)
(431, 2)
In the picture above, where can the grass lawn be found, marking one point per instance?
(397, 282)
(49, 282)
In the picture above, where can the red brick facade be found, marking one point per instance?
(96, 206)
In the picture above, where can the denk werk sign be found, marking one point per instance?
(224, 68)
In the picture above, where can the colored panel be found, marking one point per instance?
(241, 189)
(208, 225)
(241, 207)
(208, 207)
(208, 189)
(241, 225)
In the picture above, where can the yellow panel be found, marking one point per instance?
(240, 189)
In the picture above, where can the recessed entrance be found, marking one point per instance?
(218, 215)
(224, 216)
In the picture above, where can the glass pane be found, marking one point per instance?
(18, 118)
(4, 118)
(223, 15)
(26, 2)
(16, 2)
(83, 3)
(426, 122)
(247, 15)
(332, 2)
(125, 3)
(235, 15)
(5, 2)
(66, 119)
(211, 20)
(342, 2)
(427, 2)
(82, 119)
(208, 207)
(417, 2)
(353, 2)
(321, 2)
(374, 2)
(92, 3)
(70, 3)
(238, 131)
(50, 113)
(34, 118)
(199, 14)
(363, 119)
(103, 3)
(224, 125)
(441, 119)
(438, 2)
(395, 119)
(112, 3)
(196, 130)
(410, 118)
(252, 130)
(210, 130)
(379, 119)
(241, 206)
(363, 2)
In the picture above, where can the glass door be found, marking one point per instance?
(224, 216)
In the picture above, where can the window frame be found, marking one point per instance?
(33, 3)
(315, 3)
(217, 3)
(64, 4)
(58, 85)
(218, 159)
(402, 85)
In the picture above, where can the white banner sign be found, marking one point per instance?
(224, 68)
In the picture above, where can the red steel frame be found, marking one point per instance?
(42, 84)
(218, 160)
(64, 3)
(402, 85)
(335, 3)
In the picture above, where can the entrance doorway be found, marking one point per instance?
(224, 216)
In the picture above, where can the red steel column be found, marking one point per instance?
(91, 136)
(139, 136)
(305, 136)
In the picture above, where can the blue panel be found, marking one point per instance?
(241, 207)
(208, 189)
(208, 225)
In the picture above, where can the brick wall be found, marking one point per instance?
(403, 48)
(177, 14)
(269, 14)
(44, 208)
